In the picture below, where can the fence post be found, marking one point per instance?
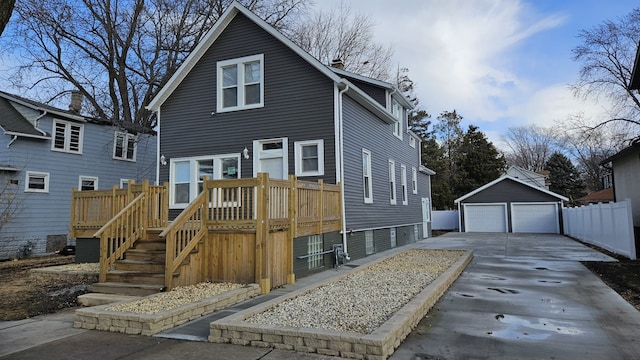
(262, 233)
(165, 204)
(320, 205)
(293, 226)
(72, 217)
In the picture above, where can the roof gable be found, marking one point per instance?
(13, 123)
(219, 27)
(507, 177)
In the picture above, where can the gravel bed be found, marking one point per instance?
(85, 267)
(179, 296)
(364, 300)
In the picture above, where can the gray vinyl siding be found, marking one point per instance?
(47, 214)
(377, 93)
(362, 130)
(298, 104)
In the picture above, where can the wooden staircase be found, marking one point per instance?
(141, 272)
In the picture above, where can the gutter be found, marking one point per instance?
(35, 125)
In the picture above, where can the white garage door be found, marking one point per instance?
(535, 218)
(485, 217)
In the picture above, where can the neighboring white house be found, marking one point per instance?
(528, 176)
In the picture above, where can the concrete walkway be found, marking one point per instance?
(525, 297)
(522, 297)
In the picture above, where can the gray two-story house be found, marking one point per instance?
(248, 100)
(47, 152)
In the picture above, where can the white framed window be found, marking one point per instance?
(314, 249)
(186, 175)
(86, 183)
(67, 137)
(412, 141)
(392, 182)
(369, 245)
(271, 156)
(36, 182)
(414, 180)
(403, 184)
(241, 83)
(124, 183)
(366, 176)
(124, 146)
(398, 113)
(309, 158)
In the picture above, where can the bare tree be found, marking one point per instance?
(606, 57)
(6, 8)
(10, 201)
(529, 146)
(118, 53)
(337, 34)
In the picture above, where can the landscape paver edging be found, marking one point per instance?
(99, 318)
(379, 344)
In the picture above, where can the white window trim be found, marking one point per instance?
(398, 113)
(403, 184)
(93, 178)
(125, 143)
(124, 182)
(258, 155)
(193, 176)
(412, 141)
(240, 95)
(67, 137)
(29, 174)
(369, 242)
(392, 183)
(414, 180)
(298, 155)
(367, 175)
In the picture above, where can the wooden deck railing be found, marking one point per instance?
(90, 210)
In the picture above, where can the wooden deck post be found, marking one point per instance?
(72, 217)
(320, 205)
(262, 233)
(293, 226)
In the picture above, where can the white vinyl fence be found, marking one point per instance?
(444, 220)
(609, 226)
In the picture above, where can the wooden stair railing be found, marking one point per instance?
(184, 233)
(121, 232)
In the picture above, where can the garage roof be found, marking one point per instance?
(507, 177)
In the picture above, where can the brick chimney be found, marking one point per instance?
(76, 101)
(337, 63)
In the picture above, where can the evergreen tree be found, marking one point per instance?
(478, 162)
(565, 178)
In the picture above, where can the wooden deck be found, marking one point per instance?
(238, 230)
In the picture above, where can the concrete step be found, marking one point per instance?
(95, 299)
(127, 288)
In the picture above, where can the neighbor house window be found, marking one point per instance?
(366, 176)
(392, 182)
(241, 83)
(124, 146)
(86, 183)
(414, 180)
(309, 158)
(403, 184)
(398, 114)
(369, 246)
(67, 137)
(37, 182)
(187, 175)
(314, 249)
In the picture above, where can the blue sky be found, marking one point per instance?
(499, 63)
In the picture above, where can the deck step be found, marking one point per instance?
(137, 265)
(127, 288)
(151, 244)
(146, 255)
(136, 277)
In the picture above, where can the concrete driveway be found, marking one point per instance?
(525, 296)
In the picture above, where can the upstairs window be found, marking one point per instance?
(403, 182)
(309, 158)
(240, 83)
(67, 137)
(398, 113)
(414, 180)
(124, 146)
(392, 182)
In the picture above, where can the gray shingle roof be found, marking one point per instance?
(13, 122)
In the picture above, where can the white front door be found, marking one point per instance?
(426, 217)
(270, 156)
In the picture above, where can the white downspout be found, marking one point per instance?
(36, 122)
(13, 139)
(341, 147)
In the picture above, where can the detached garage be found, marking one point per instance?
(508, 204)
